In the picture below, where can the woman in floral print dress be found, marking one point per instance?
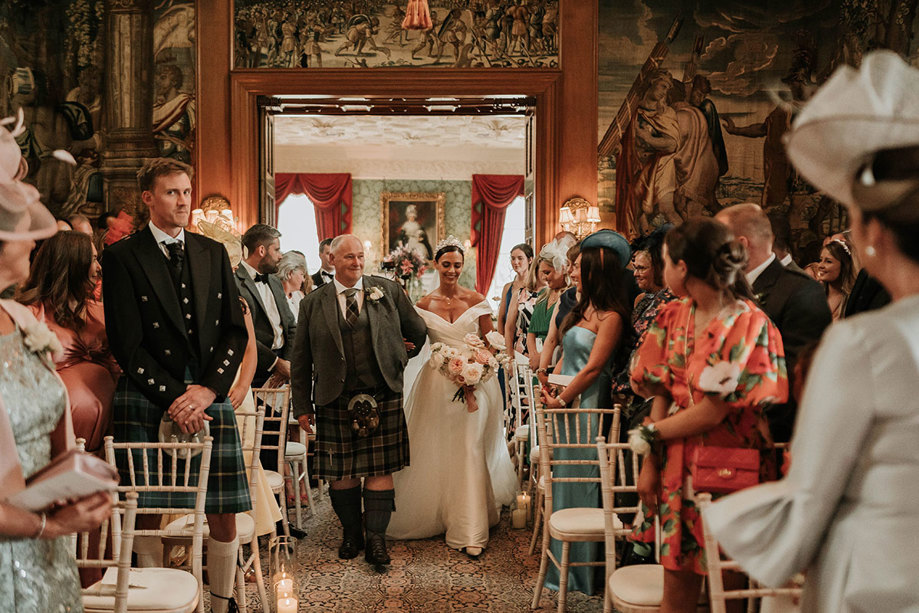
(712, 361)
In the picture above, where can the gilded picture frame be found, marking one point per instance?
(413, 219)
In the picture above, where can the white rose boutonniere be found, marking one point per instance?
(373, 293)
(39, 339)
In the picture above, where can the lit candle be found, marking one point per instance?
(285, 587)
(523, 502)
(287, 605)
(518, 519)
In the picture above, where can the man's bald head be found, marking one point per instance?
(750, 225)
(347, 258)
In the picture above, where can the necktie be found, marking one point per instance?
(176, 252)
(351, 312)
(261, 278)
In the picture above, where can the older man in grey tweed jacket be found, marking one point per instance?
(353, 340)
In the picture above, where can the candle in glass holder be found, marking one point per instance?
(285, 587)
(518, 519)
(523, 502)
(287, 605)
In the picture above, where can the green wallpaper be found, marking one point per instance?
(457, 212)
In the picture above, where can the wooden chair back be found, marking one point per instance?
(276, 404)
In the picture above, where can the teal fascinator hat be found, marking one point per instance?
(610, 239)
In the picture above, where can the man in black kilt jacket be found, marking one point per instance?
(353, 341)
(176, 327)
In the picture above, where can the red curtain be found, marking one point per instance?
(330, 194)
(491, 194)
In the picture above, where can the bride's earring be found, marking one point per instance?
(870, 251)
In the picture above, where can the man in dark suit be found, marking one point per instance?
(274, 323)
(326, 271)
(795, 302)
(176, 327)
(348, 360)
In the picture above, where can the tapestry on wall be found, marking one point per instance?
(695, 98)
(52, 57)
(369, 33)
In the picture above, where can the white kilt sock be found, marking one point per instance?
(221, 572)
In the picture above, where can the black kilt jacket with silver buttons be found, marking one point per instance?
(143, 317)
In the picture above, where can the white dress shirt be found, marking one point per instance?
(754, 274)
(271, 307)
(162, 239)
(326, 275)
(342, 299)
(786, 260)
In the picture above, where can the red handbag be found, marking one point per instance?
(721, 470)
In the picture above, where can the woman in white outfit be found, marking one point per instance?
(461, 473)
(849, 507)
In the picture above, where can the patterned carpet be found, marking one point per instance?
(425, 576)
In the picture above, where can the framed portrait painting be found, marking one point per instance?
(412, 219)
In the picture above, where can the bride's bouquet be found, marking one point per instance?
(469, 365)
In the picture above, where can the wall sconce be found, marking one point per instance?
(216, 210)
(579, 217)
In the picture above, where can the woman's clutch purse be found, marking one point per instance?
(72, 474)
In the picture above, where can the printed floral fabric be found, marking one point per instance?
(643, 315)
(738, 357)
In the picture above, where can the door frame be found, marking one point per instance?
(541, 84)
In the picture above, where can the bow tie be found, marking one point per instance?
(261, 278)
(326, 274)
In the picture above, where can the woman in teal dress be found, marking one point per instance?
(37, 569)
(592, 335)
(552, 267)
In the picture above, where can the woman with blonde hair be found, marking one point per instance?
(521, 310)
(552, 267)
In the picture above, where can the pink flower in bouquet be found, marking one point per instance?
(406, 267)
(472, 373)
(455, 366)
(474, 341)
(483, 356)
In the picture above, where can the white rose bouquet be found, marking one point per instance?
(467, 366)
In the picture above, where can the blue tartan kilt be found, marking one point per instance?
(137, 420)
(343, 454)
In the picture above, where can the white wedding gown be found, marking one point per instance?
(461, 473)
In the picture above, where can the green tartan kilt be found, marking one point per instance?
(137, 420)
(342, 454)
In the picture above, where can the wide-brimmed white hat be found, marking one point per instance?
(22, 215)
(856, 114)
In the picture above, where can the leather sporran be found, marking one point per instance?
(170, 432)
(721, 470)
(364, 414)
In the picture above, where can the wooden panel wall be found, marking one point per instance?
(567, 128)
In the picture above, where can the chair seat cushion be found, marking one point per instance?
(579, 524)
(642, 584)
(294, 449)
(522, 433)
(534, 455)
(274, 480)
(152, 590)
(185, 525)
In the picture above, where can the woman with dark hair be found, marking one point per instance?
(712, 362)
(591, 334)
(648, 268)
(59, 291)
(849, 503)
(521, 256)
(461, 473)
(521, 310)
(836, 271)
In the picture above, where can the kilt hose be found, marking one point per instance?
(137, 420)
(342, 454)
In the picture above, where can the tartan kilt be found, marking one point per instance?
(137, 420)
(342, 454)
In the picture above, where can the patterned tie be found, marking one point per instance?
(351, 312)
(176, 252)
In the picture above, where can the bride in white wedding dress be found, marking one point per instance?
(460, 473)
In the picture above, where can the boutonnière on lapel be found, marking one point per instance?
(373, 294)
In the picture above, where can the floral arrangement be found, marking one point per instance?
(469, 365)
(405, 262)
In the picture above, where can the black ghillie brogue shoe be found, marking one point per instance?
(350, 548)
